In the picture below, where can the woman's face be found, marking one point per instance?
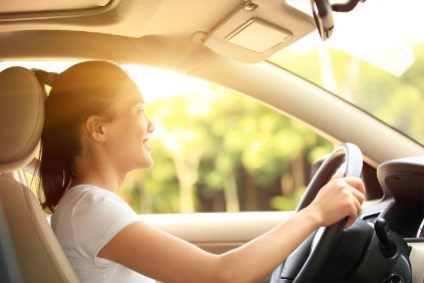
(127, 133)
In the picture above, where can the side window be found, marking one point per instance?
(217, 150)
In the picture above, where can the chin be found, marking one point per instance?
(146, 164)
(150, 165)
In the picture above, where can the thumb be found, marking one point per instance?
(339, 174)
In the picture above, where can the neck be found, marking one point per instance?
(98, 172)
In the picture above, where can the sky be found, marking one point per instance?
(377, 31)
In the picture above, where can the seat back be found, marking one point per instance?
(9, 271)
(40, 257)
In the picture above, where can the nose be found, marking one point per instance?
(150, 126)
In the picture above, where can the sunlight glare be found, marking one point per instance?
(155, 83)
(374, 31)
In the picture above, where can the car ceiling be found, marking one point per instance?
(69, 28)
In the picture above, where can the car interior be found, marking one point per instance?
(227, 42)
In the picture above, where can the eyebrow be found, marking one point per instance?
(133, 101)
(138, 100)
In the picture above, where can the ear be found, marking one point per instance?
(95, 128)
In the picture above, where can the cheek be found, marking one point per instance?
(135, 132)
(140, 129)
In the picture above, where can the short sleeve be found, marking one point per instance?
(96, 219)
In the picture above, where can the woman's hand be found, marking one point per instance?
(339, 198)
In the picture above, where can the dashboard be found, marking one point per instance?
(402, 204)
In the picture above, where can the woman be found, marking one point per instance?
(95, 132)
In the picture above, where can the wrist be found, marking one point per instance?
(312, 216)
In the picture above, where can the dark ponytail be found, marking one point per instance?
(84, 89)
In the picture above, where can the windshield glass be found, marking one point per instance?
(374, 59)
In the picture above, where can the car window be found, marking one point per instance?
(376, 65)
(218, 150)
(215, 150)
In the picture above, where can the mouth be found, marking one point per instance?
(146, 145)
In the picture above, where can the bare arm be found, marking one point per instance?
(166, 258)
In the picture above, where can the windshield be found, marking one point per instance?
(374, 59)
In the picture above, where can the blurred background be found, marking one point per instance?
(216, 150)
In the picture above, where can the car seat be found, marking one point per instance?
(39, 255)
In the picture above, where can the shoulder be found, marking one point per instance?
(88, 197)
(89, 194)
(87, 204)
(92, 216)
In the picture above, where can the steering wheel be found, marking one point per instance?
(304, 264)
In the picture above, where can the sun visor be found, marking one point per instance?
(257, 29)
(12, 10)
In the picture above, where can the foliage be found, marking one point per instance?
(216, 150)
(397, 101)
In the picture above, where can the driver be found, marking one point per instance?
(95, 132)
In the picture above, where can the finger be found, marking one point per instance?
(351, 218)
(355, 200)
(354, 211)
(349, 222)
(358, 195)
(358, 206)
(357, 183)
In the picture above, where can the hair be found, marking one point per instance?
(84, 89)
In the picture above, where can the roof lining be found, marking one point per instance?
(85, 10)
(173, 52)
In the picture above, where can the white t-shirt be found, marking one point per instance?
(86, 218)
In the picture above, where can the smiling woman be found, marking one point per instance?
(75, 110)
(95, 131)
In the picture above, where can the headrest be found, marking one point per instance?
(21, 117)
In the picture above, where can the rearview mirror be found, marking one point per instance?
(323, 14)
